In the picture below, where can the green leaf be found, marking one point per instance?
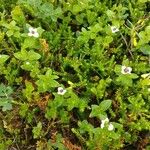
(73, 101)
(82, 105)
(32, 66)
(97, 112)
(22, 55)
(27, 55)
(57, 13)
(3, 58)
(91, 16)
(27, 92)
(58, 101)
(64, 115)
(76, 8)
(30, 42)
(145, 49)
(12, 29)
(17, 15)
(100, 89)
(5, 104)
(46, 9)
(23, 110)
(37, 130)
(47, 81)
(104, 105)
(133, 76)
(5, 91)
(5, 97)
(2, 34)
(124, 80)
(33, 3)
(117, 69)
(33, 55)
(51, 112)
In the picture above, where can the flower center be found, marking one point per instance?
(126, 70)
(61, 91)
(114, 29)
(32, 32)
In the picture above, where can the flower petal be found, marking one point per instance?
(126, 70)
(27, 63)
(122, 69)
(102, 125)
(61, 91)
(110, 127)
(36, 34)
(105, 120)
(114, 29)
(31, 29)
(30, 34)
(130, 69)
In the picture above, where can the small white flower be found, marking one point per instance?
(33, 32)
(61, 91)
(102, 125)
(27, 63)
(114, 29)
(110, 127)
(106, 120)
(126, 70)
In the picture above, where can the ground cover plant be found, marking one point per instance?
(74, 74)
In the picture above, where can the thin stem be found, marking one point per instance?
(12, 42)
(14, 102)
(126, 45)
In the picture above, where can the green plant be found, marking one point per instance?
(74, 74)
(5, 97)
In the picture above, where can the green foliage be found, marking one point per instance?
(5, 97)
(99, 91)
(47, 82)
(37, 131)
(27, 55)
(99, 110)
(18, 15)
(69, 101)
(41, 10)
(74, 74)
(3, 58)
(57, 144)
(27, 92)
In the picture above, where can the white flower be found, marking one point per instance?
(27, 63)
(110, 127)
(114, 29)
(102, 125)
(126, 70)
(103, 122)
(61, 91)
(33, 32)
